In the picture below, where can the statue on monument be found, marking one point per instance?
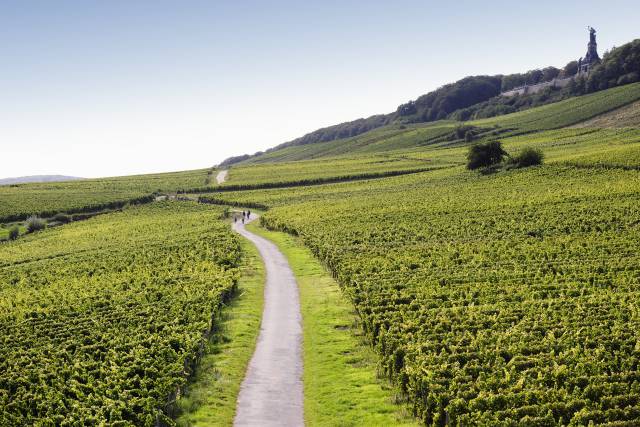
(592, 57)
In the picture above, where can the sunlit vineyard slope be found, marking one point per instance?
(102, 321)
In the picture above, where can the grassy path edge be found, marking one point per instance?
(340, 383)
(211, 396)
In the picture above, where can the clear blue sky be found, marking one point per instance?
(101, 88)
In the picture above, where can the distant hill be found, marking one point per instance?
(478, 97)
(618, 107)
(37, 178)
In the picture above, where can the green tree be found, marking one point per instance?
(570, 69)
(549, 73)
(485, 155)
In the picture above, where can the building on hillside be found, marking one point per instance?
(592, 57)
(584, 66)
(529, 89)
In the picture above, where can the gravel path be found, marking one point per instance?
(271, 393)
(222, 176)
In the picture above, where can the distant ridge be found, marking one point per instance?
(37, 178)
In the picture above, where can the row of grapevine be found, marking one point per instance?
(102, 321)
(319, 171)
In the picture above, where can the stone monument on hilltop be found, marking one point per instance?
(592, 57)
(584, 67)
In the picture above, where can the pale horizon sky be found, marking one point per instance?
(94, 88)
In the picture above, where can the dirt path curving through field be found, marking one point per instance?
(271, 393)
(222, 176)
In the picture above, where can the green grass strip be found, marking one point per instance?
(211, 397)
(340, 383)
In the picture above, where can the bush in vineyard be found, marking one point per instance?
(527, 157)
(485, 154)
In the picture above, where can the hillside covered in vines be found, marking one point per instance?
(103, 321)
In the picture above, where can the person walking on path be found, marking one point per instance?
(248, 214)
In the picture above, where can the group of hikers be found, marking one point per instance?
(245, 215)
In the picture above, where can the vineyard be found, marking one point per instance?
(388, 138)
(625, 157)
(508, 299)
(568, 112)
(102, 321)
(19, 201)
(628, 116)
(602, 148)
(583, 146)
(324, 171)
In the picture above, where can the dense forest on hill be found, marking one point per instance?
(478, 97)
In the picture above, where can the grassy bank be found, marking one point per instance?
(340, 383)
(211, 398)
